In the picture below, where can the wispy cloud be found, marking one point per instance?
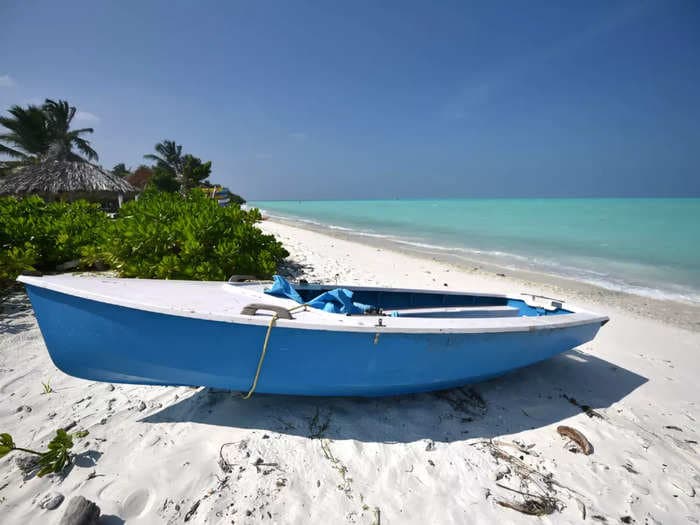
(86, 116)
(6, 81)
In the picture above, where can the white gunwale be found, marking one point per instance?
(220, 301)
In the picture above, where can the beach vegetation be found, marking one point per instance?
(162, 235)
(164, 180)
(34, 132)
(236, 199)
(50, 461)
(168, 167)
(175, 171)
(48, 389)
(194, 172)
(172, 236)
(169, 157)
(38, 236)
(14, 260)
(172, 231)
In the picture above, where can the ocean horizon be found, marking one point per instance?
(644, 246)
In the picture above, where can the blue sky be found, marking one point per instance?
(366, 99)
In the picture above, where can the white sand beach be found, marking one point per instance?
(174, 455)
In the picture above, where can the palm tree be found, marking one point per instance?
(120, 170)
(27, 136)
(36, 133)
(59, 116)
(170, 157)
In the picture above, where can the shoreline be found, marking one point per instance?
(680, 314)
(163, 454)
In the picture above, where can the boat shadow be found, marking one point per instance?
(14, 307)
(532, 397)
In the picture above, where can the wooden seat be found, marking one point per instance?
(458, 311)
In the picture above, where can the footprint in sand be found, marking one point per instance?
(103, 489)
(135, 504)
(5, 385)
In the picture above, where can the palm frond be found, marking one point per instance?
(15, 154)
(85, 148)
(152, 157)
(82, 130)
(44, 132)
(170, 157)
(60, 114)
(28, 130)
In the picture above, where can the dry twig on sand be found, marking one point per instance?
(543, 502)
(533, 505)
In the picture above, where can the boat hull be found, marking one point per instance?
(104, 342)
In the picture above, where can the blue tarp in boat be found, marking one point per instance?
(337, 301)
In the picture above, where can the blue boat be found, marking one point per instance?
(235, 336)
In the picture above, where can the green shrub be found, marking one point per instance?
(168, 236)
(162, 235)
(38, 235)
(14, 260)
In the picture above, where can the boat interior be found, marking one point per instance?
(417, 303)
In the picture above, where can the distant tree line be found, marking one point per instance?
(37, 133)
(171, 171)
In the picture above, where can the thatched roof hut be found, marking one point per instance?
(66, 180)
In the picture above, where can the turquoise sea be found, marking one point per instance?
(643, 246)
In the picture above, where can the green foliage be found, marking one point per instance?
(164, 180)
(169, 157)
(16, 259)
(35, 132)
(38, 235)
(6, 444)
(26, 134)
(236, 199)
(59, 115)
(174, 171)
(169, 236)
(161, 235)
(48, 389)
(194, 172)
(120, 170)
(53, 460)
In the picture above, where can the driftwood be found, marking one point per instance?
(581, 442)
(80, 511)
